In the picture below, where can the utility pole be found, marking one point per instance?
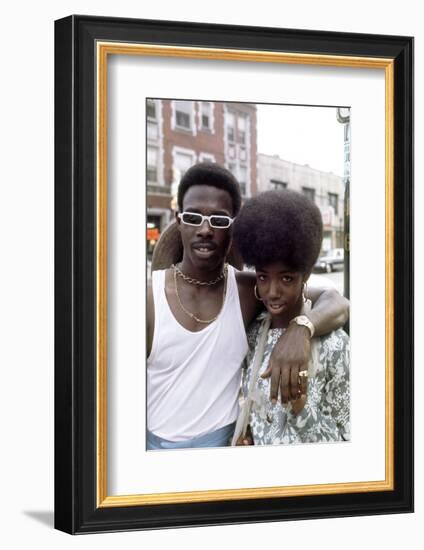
(343, 116)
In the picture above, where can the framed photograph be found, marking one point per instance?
(139, 106)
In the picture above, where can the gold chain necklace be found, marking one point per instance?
(203, 321)
(192, 281)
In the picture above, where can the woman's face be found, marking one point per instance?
(280, 288)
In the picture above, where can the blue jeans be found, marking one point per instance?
(218, 438)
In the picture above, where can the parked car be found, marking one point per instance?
(331, 260)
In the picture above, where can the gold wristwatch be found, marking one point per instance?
(302, 320)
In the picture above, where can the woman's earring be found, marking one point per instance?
(304, 290)
(256, 294)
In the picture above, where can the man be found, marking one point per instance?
(197, 312)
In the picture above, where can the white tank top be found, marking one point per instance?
(193, 378)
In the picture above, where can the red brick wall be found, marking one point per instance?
(202, 142)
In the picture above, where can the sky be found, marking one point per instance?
(305, 135)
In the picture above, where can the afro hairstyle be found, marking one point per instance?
(279, 226)
(208, 173)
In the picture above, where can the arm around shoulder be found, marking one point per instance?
(330, 310)
(250, 306)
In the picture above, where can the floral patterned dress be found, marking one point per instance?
(325, 416)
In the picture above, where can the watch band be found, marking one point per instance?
(302, 320)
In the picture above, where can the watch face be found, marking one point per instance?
(303, 321)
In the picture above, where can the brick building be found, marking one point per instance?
(182, 133)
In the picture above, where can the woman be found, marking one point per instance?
(279, 233)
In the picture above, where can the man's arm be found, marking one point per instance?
(250, 306)
(150, 318)
(330, 310)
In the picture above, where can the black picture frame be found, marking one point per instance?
(77, 507)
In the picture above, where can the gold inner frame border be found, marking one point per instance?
(103, 50)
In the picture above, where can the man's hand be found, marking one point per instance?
(289, 356)
(298, 405)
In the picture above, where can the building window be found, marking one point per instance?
(277, 184)
(231, 119)
(206, 115)
(243, 179)
(183, 114)
(206, 157)
(309, 192)
(151, 109)
(232, 151)
(241, 129)
(152, 120)
(182, 162)
(152, 131)
(333, 200)
(152, 165)
(232, 168)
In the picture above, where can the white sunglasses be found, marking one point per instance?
(215, 221)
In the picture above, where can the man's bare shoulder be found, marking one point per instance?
(149, 289)
(150, 299)
(150, 316)
(249, 305)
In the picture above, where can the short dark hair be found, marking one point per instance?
(210, 173)
(278, 226)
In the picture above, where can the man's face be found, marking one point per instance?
(206, 247)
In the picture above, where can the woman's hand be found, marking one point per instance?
(289, 356)
(247, 439)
